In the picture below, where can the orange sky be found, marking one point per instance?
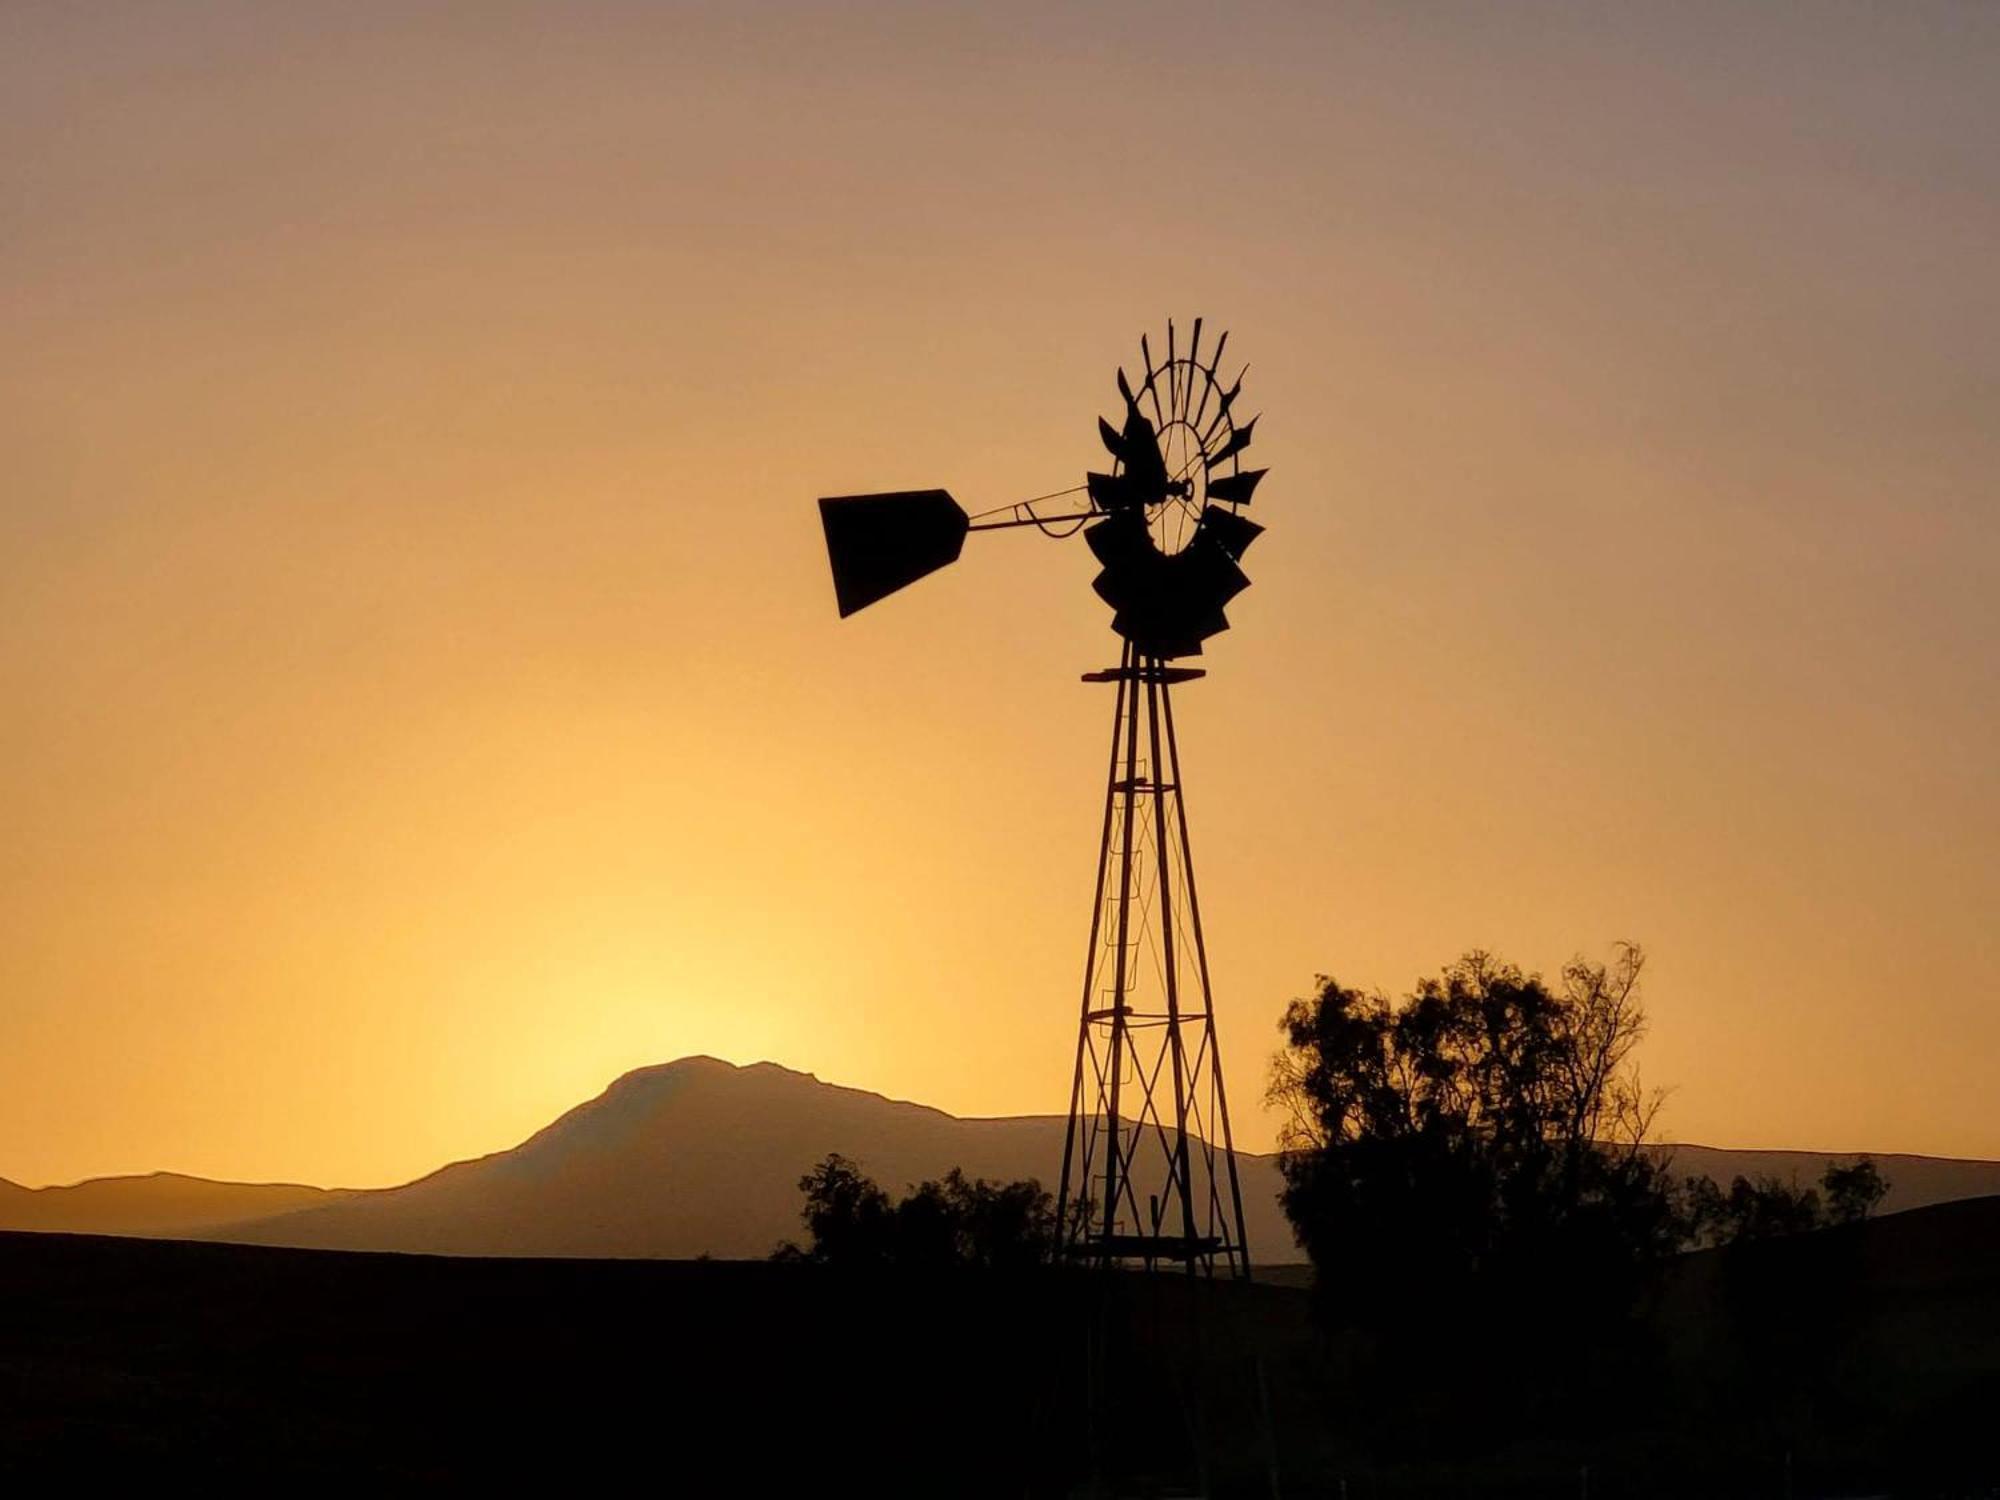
(424, 699)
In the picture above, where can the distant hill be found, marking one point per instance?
(701, 1157)
(1914, 1181)
(696, 1157)
(159, 1204)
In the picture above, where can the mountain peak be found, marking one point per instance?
(699, 1064)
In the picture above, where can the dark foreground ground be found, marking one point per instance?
(1859, 1363)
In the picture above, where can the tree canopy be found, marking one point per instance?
(1768, 1207)
(950, 1222)
(1486, 1139)
(1486, 1130)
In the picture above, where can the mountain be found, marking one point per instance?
(702, 1157)
(159, 1204)
(697, 1157)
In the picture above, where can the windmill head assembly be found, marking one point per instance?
(1166, 522)
(1149, 1167)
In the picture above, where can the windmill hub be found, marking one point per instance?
(1175, 517)
(1149, 1168)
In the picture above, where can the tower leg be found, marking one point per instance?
(1239, 1258)
(1074, 1215)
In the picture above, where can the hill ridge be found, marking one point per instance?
(701, 1155)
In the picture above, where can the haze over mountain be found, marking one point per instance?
(700, 1156)
(157, 1203)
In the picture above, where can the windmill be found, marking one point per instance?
(1149, 1166)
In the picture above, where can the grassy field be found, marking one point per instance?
(1846, 1363)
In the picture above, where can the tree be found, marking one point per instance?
(1001, 1226)
(1770, 1208)
(849, 1218)
(1854, 1191)
(1474, 1154)
(952, 1222)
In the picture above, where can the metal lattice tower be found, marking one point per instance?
(1149, 1164)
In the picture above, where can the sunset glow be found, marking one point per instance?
(424, 696)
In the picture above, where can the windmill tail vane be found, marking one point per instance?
(1149, 1166)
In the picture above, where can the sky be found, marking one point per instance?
(424, 696)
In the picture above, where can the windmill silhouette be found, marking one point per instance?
(1149, 1164)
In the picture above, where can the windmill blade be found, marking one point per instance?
(1229, 531)
(1223, 402)
(1152, 385)
(1114, 440)
(1212, 623)
(1214, 360)
(1166, 643)
(878, 544)
(1235, 489)
(1136, 592)
(1112, 492)
(1170, 633)
(1210, 577)
(1145, 465)
(1118, 540)
(1238, 441)
(1134, 575)
(1200, 628)
(1194, 360)
(1168, 604)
